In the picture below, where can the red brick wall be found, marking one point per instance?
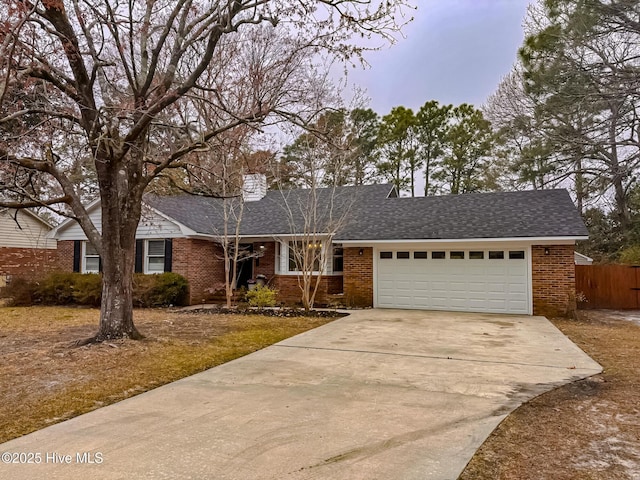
(27, 262)
(201, 262)
(266, 264)
(289, 291)
(553, 280)
(65, 255)
(358, 277)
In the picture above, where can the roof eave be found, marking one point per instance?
(540, 240)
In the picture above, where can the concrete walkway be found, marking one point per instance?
(381, 394)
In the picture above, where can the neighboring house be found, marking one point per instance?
(25, 249)
(581, 259)
(505, 252)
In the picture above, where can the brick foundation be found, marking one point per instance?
(27, 262)
(553, 280)
(358, 277)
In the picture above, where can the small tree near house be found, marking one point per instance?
(218, 172)
(315, 214)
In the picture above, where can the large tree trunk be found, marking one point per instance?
(121, 202)
(118, 260)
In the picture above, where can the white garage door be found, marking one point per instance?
(490, 280)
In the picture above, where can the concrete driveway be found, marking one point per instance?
(381, 394)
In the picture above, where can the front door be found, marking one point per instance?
(245, 265)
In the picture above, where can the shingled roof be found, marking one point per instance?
(275, 213)
(539, 213)
(375, 215)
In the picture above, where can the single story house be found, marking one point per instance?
(25, 248)
(504, 252)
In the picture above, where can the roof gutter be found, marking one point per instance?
(537, 240)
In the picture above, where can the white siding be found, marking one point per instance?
(27, 232)
(582, 259)
(151, 225)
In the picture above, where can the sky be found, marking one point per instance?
(455, 51)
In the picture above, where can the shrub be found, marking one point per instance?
(630, 256)
(262, 296)
(87, 289)
(56, 289)
(159, 290)
(64, 288)
(19, 292)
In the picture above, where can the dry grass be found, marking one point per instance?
(44, 379)
(586, 430)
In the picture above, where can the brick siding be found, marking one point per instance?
(266, 264)
(27, 262)
(201, 262)
(553, 280)
(358, 277)
(65, 255)
(289, 291)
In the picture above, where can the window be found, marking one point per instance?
(302, 253)
(496, 255)
(338, 259)
(517, 255)
(278, 266)
(438, 255)
(154, 260)
(419, 255)
(386, 254)
(91, 260)
(402, 255)
(476, 255)
(456, 255)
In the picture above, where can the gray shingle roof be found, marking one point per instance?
(540, 213)
(373, 216)
(274, 214)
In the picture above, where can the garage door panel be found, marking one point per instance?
(499, 288)
(477, 305)
(483, 285)
(458, 286)
(403, 285)
(477, 287)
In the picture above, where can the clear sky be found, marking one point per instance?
(455, 51)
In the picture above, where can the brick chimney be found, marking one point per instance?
(254, 187)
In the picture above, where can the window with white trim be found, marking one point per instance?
(278, 266)
(90, 259)
(304, 252)
(154, 256)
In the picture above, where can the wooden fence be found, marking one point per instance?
(608, 286)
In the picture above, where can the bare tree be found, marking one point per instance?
(315, 214)
(111, 79)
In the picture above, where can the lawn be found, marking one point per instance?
(44, 379)
(586, 430)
